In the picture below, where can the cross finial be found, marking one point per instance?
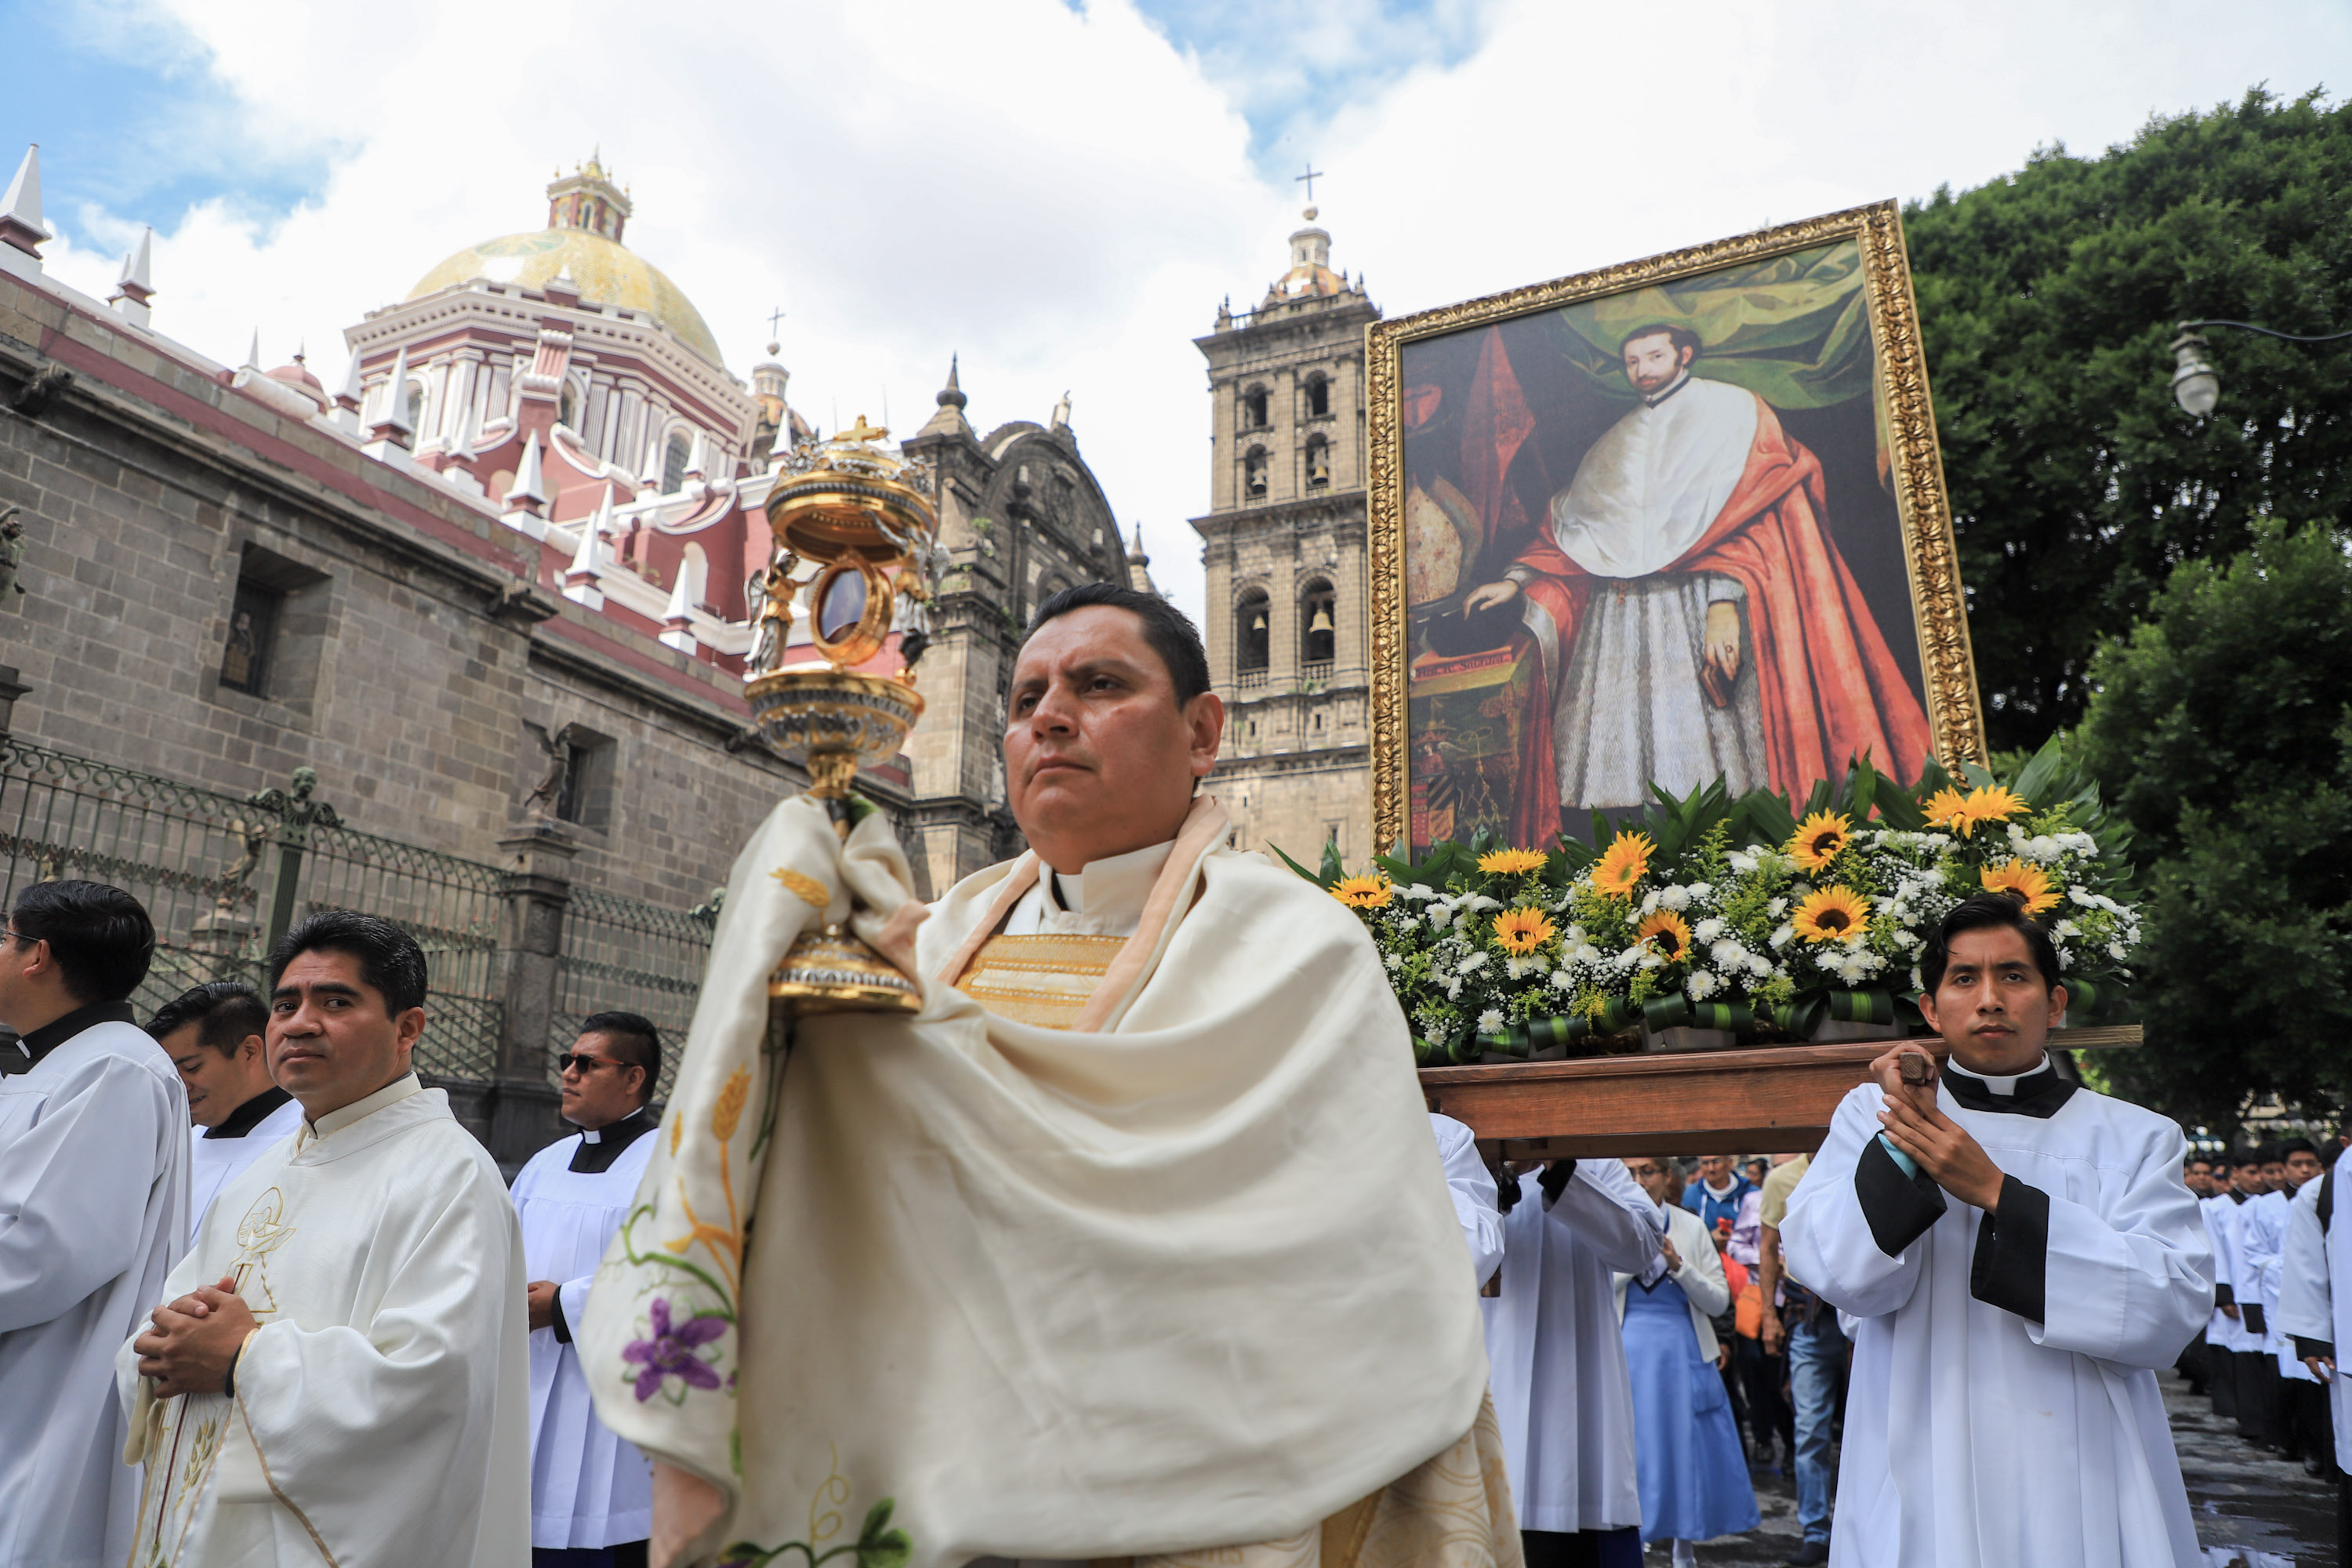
(1309, 178)
(773, 317)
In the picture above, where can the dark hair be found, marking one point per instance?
(2286, 1146)
(228, 1010)
(635, 1036)
(390, 960)
(100, 936)
(1174, 638)
(1987, 912)
(1681, 337)
(2244, 1157)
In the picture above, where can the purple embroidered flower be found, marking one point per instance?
(670, 1352)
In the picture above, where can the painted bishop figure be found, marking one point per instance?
(1695, 615)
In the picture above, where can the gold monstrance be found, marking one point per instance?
(862, 515)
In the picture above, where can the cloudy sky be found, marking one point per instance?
(1060, 193)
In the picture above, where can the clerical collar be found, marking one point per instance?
(600, 1146)
(1654, 398)
(391, 1094)
(1109, 895)
(251, 1114)
(57, 1031)
(2038, 1093)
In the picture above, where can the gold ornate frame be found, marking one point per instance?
(1954, 709)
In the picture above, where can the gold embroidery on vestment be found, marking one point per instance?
(1046, 980)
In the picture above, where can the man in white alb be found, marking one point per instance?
(93, 1209)
(337, 1372)
(591, 1494)
(213, 1035)
(2023, 1254)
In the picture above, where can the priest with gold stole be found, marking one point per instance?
(1131, 1245)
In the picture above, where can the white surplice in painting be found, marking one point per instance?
(2002, 1410)
(1560, 1389)
(216, 1154)
(2315, 1309)
(1473, 1187)
(93, 1212)
(379, 1413)
(588, 1488)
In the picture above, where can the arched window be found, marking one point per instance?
(412, 403)
(1318, 636)
(674, 460)
(1254, 632)
(1253, 409)
(1318, 396)
(694, 573)
(567, 408)
(1319, 463)
(1254, 473)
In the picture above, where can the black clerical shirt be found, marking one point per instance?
(250, 1115)
(600, 1146)
(40, 1042)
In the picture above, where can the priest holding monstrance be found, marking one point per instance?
(1131, 1242)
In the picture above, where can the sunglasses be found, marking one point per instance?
(584, 1062)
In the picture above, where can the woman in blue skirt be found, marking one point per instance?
(1688, 1462)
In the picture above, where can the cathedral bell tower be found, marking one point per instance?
(1284, 546)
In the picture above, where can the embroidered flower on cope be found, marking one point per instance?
(1511, 862)
(1833, 914)
(1623, 864)
(1365, 892)
(1667, 935)
(2030, 884)
(1819, 840)
(1522, 931)
(670, 1352)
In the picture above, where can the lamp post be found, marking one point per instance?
(2196, 386)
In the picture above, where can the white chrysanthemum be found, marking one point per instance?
(1420, 891)
(1728, 954)
(1742, 863)
(1777, 907)
(2064, 929)
(1477, 903)
(1440, 917)
(1759, 967)
(1675, 897)
(1650, 901)
(1490, 1022)
(2118, 951)
(1782, 937)
(1562, 979)
(1472, 964)
(1707, 930)
(1700, 986)
(1395, 962)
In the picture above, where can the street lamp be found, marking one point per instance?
(2196, 386)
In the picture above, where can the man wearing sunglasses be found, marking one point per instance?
(93, 1209)
(591, 1492)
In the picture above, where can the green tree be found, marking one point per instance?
(2047, 299)
(2221, 728)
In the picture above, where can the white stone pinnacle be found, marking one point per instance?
(529, 482)
(20, 209)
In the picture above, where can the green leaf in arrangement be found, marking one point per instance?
(1333, 869)
(1330, 874)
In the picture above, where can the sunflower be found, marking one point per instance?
(1522, 931)
(1511, 862)
(1365, 892)
(1995, 804)
(1667, 932)
(1949, 808)
(1832, 914)
(2030, 883)
(1623, 864)
(1821, 839)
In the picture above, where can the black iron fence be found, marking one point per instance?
(223, 877)
(626, 955)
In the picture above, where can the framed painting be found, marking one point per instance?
(1674, 520)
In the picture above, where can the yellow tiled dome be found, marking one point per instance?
(605, 273)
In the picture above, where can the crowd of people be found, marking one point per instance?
(263, 1300)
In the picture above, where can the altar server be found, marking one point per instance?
(2016, 1287)
(2316, 1311)
(1693, 1476)
(2300, 1411)
(1473, 1189)
(1560, 1387)
(213, 1033)
(591, 1494)
(338, 1372)
(93, 1209)
(2261, 1229)
(2224, 1335)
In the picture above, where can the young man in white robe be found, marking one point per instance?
(2016, 1287)
(591, 1494)
(93, 1210)
(2315, 1311)
(2299, 1415)
(2260, 1227)
(1133, 1243)
(2239, 1181)
(337, 1372)
(1473, 1190)
(213, 1035)
(1562, 1391)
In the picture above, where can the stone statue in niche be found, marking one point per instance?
(546, 796)
(12, 554)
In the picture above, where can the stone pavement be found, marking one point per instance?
(2241, 1499)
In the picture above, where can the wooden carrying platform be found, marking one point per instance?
(1763, 1100)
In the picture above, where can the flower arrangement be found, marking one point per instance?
(1738, 914)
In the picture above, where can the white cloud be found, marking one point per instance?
(1063, 196)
